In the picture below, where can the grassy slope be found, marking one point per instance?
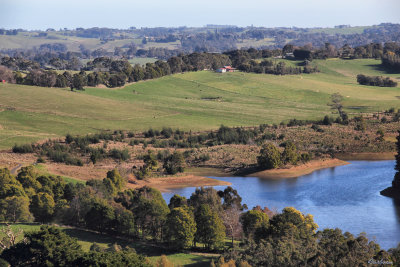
(42, 170)
(185, 101)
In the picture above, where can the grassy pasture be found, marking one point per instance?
(142, 60)
(191, 101)
(351, 30)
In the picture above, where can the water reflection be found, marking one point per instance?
(346, 197)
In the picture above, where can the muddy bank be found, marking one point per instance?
(367, 156)
(296, 171)
(164, 184)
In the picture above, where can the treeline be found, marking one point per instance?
(376, 81)
(206, 218)
(280, 68)
(253, 60)
(214, 38)
(391, 60)
(115, 73)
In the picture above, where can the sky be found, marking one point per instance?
(43, 14)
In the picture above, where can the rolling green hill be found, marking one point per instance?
(191, 101)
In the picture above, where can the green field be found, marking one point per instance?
(351, 30)
(191, 101)
(87, 238)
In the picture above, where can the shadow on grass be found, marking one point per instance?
(145, 248)
(380, 67)
(92, 237)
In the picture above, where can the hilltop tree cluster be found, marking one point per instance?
(114, 73)
(376, 81)
(271, 158)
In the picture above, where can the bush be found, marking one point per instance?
(40, 160)
(204, 157)
(167, 132)
(290, 155)
(376, 81)
(133, 142)
(174, 163)
(64, 157)
(27, 148)
(305, 157)
(327, 120)
(270, 157)
(119, 154)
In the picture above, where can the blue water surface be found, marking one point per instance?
(345, 197)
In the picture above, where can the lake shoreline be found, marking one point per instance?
(165, 184)
(366, 156)
(299, 170)
(196, 177)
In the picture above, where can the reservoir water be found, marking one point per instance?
(345, 197)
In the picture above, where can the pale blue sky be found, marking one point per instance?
(43, 14)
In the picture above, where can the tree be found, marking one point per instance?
(100, 217)
(28, 178)
(290, 154)
(149, 209)
(180, 228)
(231, 220)
(79, 206)
(337, 99)
(177, 201)
(208, 196)
(303, 54)
(43, 207)
(302, 225)
(10, 237)
(116, 179)
(49, 246)
(117, 80)
(251, 220)
(361, 125)
(6, 74)
(288, 48)
(231, 199)
(270, 157)
(111, 258)
(210, 229)
(174, 163)
(9, 186)
(150, 164)
(124, 220)
(78, 81)
(16, 209)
